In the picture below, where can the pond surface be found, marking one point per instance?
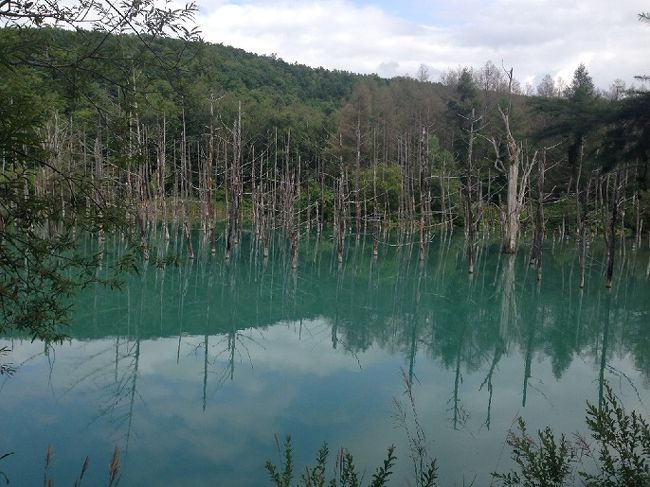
(193, 370)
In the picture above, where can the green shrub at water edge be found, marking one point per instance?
(623, 445)
(619, 458)
(542, 463)
(616, 454)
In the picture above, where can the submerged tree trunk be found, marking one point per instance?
(513, 211)
(340, 233)
(538, 238)
(610, 233)
(517, 171)
(582, 218)
(188, 238)
(357, 176)
(471, 218)
(235, 187)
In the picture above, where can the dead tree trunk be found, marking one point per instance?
(357, 177)
(340, 206)
(235, 187)
(188, 238)
(210, 183)
(340, 217)
(610, 230)
(472, 217)
(377, 226)
(517, 162)
(538, 237)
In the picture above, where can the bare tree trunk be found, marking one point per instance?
(517, 184)
(97, 180)
(637, 218)
(340, 210)
(188, 238)
(538, 238)
(340, 207)
(582, 196)
(357, 176)
(375, 201)
(611, 233)
(235, 187)
(471, 219)
(443, 197)
(210, 183)
(424, 193)
(582, 218)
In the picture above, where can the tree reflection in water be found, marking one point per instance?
(323, 344)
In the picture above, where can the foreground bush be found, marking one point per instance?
(615, 454)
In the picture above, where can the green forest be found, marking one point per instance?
(146, 135)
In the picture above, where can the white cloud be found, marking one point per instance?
(534, 36)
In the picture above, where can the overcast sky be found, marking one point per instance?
(392, 38)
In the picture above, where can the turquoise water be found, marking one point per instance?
(192, 370)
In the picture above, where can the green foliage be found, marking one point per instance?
(627, 136)
(460, 107)
(6, 368)
(429, 475)
(60, 88)
(490, 217)
(542, 463)
(316, 477)
(380, 477)
(344, 473)
(582, 86)
(444, 170)
(622, 458)
(388, 180)
(74, 108)
(466, 88)
(315, 194)
(282, 479)
(23, 112)
(623, 445)
(564, 210)
(578, 115)
(438, 156)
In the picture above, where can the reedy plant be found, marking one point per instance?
(425, 468)
(113, 469)
(345, 473)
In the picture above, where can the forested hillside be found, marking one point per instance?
(147, 135)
